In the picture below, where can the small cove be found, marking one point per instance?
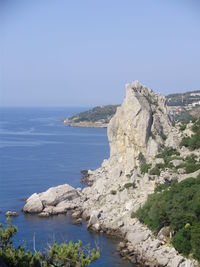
(37, 152)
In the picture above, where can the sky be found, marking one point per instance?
(82, 53)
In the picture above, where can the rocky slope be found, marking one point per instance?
(137, 132)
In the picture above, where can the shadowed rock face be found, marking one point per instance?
(137, 126)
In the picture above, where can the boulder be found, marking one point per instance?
(76, 214)
(77, 221)
(93, 218)
(33, 204)
(159, 161)
(55, 200)
(55, 195)
(177, 162)
(164, 233)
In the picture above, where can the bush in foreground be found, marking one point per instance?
(63, 255)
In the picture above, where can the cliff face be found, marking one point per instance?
(139, 128)
(140, 125)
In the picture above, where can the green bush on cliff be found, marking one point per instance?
(193, 142)
(167, 154)
(177, 206)
(69, 255)
(155, 170)
(145, 168)
(190, 164)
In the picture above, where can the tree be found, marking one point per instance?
(63, 255)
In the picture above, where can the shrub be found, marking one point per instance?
(128, 185)
(145, 168)
(192, 142)
(141, 158)
(190, 164)
(195, 240)
(168, 152)
(71, 254)
(181, 241)
(155, 171)
(177, 206)
(182, 127)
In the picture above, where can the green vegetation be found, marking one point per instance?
(182, 126)
(190, 164)
(141, 158)
(167, 154)
(145, 168)
(177, 206)
(193, 142)
(128, 185)
(103, 113)
(184, 116)
(63, 255)
(155, 170)
(182, 99)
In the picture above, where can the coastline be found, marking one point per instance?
(119, 188)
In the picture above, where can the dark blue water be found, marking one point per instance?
(36, 152)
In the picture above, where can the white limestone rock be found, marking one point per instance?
(55, 195)
(33, 204)
(55, 200)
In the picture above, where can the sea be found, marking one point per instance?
(38, 151)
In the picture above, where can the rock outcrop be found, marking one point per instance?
(140, 127)
(55, 200)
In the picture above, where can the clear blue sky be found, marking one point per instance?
(82, 53)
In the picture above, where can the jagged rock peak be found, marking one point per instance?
(137, 86)
(140, 125)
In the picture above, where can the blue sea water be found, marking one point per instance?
(36, 152)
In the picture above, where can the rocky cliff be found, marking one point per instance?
(140, 125)
(137, 132)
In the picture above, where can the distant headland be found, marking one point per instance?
(182, 106)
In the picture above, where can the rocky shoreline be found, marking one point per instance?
(139, 245)
(140, 127)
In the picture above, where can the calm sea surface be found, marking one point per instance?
(36, 152)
